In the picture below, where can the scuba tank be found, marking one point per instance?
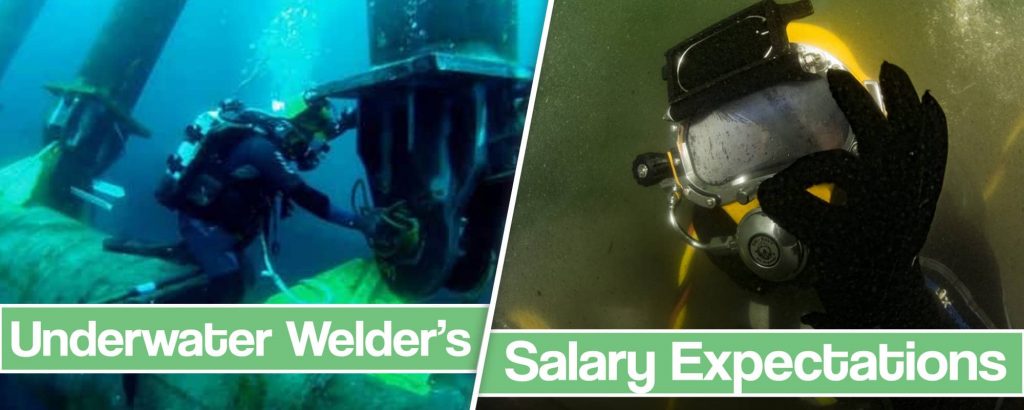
(195, 175)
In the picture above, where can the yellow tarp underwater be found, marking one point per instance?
(355, 282)
(20, 180)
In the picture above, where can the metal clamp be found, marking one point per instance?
(718, 245)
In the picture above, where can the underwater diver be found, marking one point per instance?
(803, 173)
(231, 180)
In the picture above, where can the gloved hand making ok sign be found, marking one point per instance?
(864, 245)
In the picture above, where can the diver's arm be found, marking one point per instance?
(279, 175)
(319, 204)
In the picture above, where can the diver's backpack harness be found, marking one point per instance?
(195, 174)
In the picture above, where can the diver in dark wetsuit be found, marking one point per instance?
(234, 175)
(259, 171)
(232, 178)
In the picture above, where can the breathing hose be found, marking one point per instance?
(269, 272)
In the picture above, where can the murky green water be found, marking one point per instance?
(591, 249)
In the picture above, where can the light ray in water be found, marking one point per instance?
(286, 51)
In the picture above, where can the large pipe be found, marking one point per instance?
(46, 257)
(16, 18)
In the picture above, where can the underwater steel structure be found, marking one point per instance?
(441, 118)
(16, 18)
(92, 119)
(400, 29)
(440, 121)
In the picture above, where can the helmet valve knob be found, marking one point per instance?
(768, 250)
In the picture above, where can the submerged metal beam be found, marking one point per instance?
(128, 47)
(16, 18)
(92, 119)
(400, 29)
(440, 120)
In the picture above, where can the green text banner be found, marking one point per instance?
(757, 363)
(240, 338)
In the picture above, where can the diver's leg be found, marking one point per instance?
(215, 251)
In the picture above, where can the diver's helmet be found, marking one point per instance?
(748, 96)
(313, 127)
(302, 128)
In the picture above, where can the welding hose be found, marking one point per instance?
(151, 287)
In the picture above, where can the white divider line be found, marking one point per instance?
(512, 205)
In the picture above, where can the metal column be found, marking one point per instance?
(440, 120)
(92, 119)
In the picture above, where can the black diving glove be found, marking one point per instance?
(864, 245)
(368, 223)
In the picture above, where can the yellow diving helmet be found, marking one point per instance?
(314, 126)
(738, 118)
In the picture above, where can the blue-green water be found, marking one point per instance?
(260, 51)
(257, 50)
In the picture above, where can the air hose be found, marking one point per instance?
(269, 272)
